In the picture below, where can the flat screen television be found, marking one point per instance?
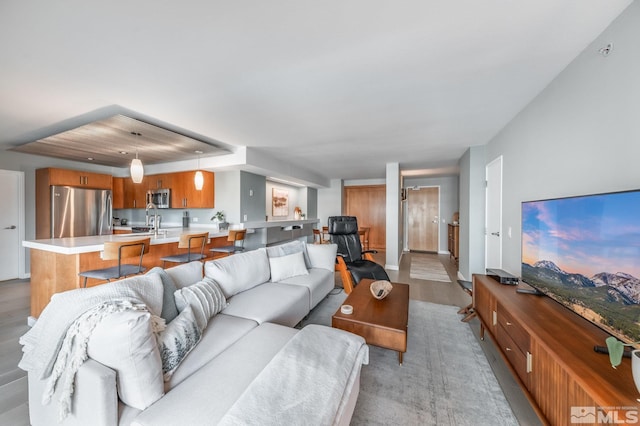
(584, 252)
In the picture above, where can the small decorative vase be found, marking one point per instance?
(635, 367)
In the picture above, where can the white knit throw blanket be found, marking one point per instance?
(73, 351)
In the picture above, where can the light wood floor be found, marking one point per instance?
(14, 310)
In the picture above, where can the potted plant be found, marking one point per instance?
(219, 219)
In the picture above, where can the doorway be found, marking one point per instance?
(423, 218)
(493, 225)
(11, 225)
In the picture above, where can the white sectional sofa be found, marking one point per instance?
(240, 370)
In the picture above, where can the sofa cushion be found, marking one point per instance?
(205, 397)
(271, 302)
(287, 266)
(169, 309)
(177, 340)
(319, 283)
(135, 359)
(290, 247)
(239, 272)
(204, 297)
(322, 256)
(186, 274)
(221, 332)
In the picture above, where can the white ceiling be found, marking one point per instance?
(340, 87)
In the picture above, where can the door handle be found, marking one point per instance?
(10, 227)
(497, 234)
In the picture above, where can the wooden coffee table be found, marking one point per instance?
(381, 322)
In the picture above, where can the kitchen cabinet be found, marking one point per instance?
(47, 177)
(129, 195)
(135, 194)
(76, 178)
(118, 193)
(185, 195)
(549, 350)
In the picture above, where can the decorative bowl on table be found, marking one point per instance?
(380, 289)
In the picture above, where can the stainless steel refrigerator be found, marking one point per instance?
(77, 212)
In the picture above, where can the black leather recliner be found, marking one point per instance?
(343, 231)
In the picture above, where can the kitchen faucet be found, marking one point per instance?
(156, 222)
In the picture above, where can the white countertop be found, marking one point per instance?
(95, 243)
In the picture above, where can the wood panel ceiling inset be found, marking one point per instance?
(115, 140)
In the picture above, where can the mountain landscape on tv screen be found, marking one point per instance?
(610, 300)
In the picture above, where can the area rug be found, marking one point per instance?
(427, 267)
(445, 378)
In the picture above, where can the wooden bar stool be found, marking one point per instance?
(120, 250)
(468, 310)
(318, 237)
(236, 238)
(189, 241)
(363, 232)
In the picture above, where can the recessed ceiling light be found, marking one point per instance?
(198, 152)
(123, 152)
(90, 158)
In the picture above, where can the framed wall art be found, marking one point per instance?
(280, 202)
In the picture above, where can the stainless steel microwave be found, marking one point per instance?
(160, 197)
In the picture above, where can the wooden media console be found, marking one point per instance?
(549, 350)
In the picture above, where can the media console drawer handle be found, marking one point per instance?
(508, 323)
(529, 362)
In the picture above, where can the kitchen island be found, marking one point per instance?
(56, 262)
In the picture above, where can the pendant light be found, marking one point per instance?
(199, 177)
(137, 171)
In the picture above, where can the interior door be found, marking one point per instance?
(423, 212)
(368, 204)
(11, 232)
(493, 230)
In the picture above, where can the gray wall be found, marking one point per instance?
(472, 212)
(448, 201)
(312, 203)
(228, 195)
(581, 135)
(252, 197)
(330, 201)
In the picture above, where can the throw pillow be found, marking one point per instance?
(323, 256)
(290, 248)
(177, 340)
(186, 274)
(284, 267)
(169, 309)
(124, 341)
(240, 272)
(205, 299)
